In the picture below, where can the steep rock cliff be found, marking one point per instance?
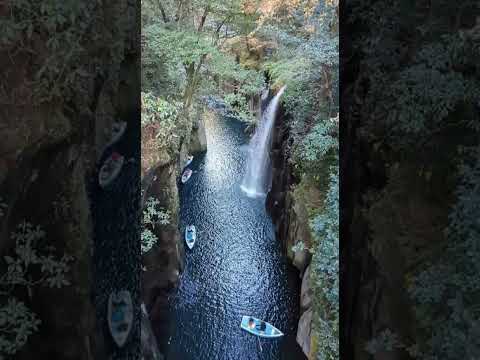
(164, 262)
(287, 207)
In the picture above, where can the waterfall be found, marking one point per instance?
(257, 177)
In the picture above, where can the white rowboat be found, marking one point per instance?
(189, 160)
(186, 175)
(259, 327)
(190, 236)
(110, 169)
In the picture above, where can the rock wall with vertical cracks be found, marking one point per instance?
(48, 155)
(163, 264)
(290, 218)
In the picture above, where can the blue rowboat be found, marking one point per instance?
(190, 235)
(189, 160)
(259, 327)
(120, 316)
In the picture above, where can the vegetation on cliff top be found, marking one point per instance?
(182, 61)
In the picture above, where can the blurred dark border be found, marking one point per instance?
(409, 194)
(70, 69)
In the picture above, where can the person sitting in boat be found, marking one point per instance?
(118, 315)
(262, 326)
(251, 323)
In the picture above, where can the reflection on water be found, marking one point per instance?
(236, 266)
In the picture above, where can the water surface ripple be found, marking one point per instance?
(236, 266)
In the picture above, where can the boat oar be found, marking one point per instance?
(259, 344)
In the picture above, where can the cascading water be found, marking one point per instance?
(257, 177)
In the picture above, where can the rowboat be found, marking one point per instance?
(259, 327)
(120, 316)
(118, 129)
(190, 235)
(189, 160)
(110, 169)
(186, 175)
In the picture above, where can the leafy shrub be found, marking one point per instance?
(425, 91)
(152, 216)
(148, 240)
(325, 272)
(33, 264)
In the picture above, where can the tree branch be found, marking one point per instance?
(204, 17)
(162, 11)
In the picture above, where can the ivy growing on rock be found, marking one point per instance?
(153, 215)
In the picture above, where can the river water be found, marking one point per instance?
(116, 255)
(236, 266)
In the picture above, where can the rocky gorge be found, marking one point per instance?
(288, 208)
(164, 264)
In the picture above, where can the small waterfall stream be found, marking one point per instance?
(257, 177)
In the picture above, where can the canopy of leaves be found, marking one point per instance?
(182, 57)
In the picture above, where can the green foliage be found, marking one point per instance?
(33, 264)
(423, 87)
(163, 118)
(17, 323)
(153, 215)
(158, 110)
(426, 93)
(186, 61)
(325, 271)
(148, 240)
(307, 62)
(55, 33)
(318, 150)
(453, 278)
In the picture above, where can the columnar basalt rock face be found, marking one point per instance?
(164, 262)
(198, 137)
(290, 218)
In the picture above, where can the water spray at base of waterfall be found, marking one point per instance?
(257, 179)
